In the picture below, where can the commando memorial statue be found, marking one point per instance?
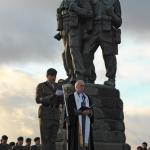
(91, 116)
(84, 25)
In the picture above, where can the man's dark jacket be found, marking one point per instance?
(73, 124)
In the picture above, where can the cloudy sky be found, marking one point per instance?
(27, 49)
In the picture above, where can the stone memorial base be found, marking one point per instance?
(109, 128)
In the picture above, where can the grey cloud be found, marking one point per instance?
(26, 32)
(28, 26)
(136, 15)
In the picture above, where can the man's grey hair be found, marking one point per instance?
(79, 82)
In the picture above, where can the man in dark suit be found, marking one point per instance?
(80, 120)
(48, 95)
(37, 145)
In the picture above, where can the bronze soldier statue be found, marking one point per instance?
(48, 95)
(106, 33)
(85, 25)
(63, 28)
(74, 22)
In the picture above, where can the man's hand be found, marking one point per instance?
(59, 92)
(86, 112)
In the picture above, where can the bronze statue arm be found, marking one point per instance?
(116, 20)
(115, 12)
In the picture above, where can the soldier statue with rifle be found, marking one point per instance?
(85, 25)
(74, 23)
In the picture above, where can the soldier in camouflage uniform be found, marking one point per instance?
(48, 95)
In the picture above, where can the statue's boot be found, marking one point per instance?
(110, 83)
(90, 76)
